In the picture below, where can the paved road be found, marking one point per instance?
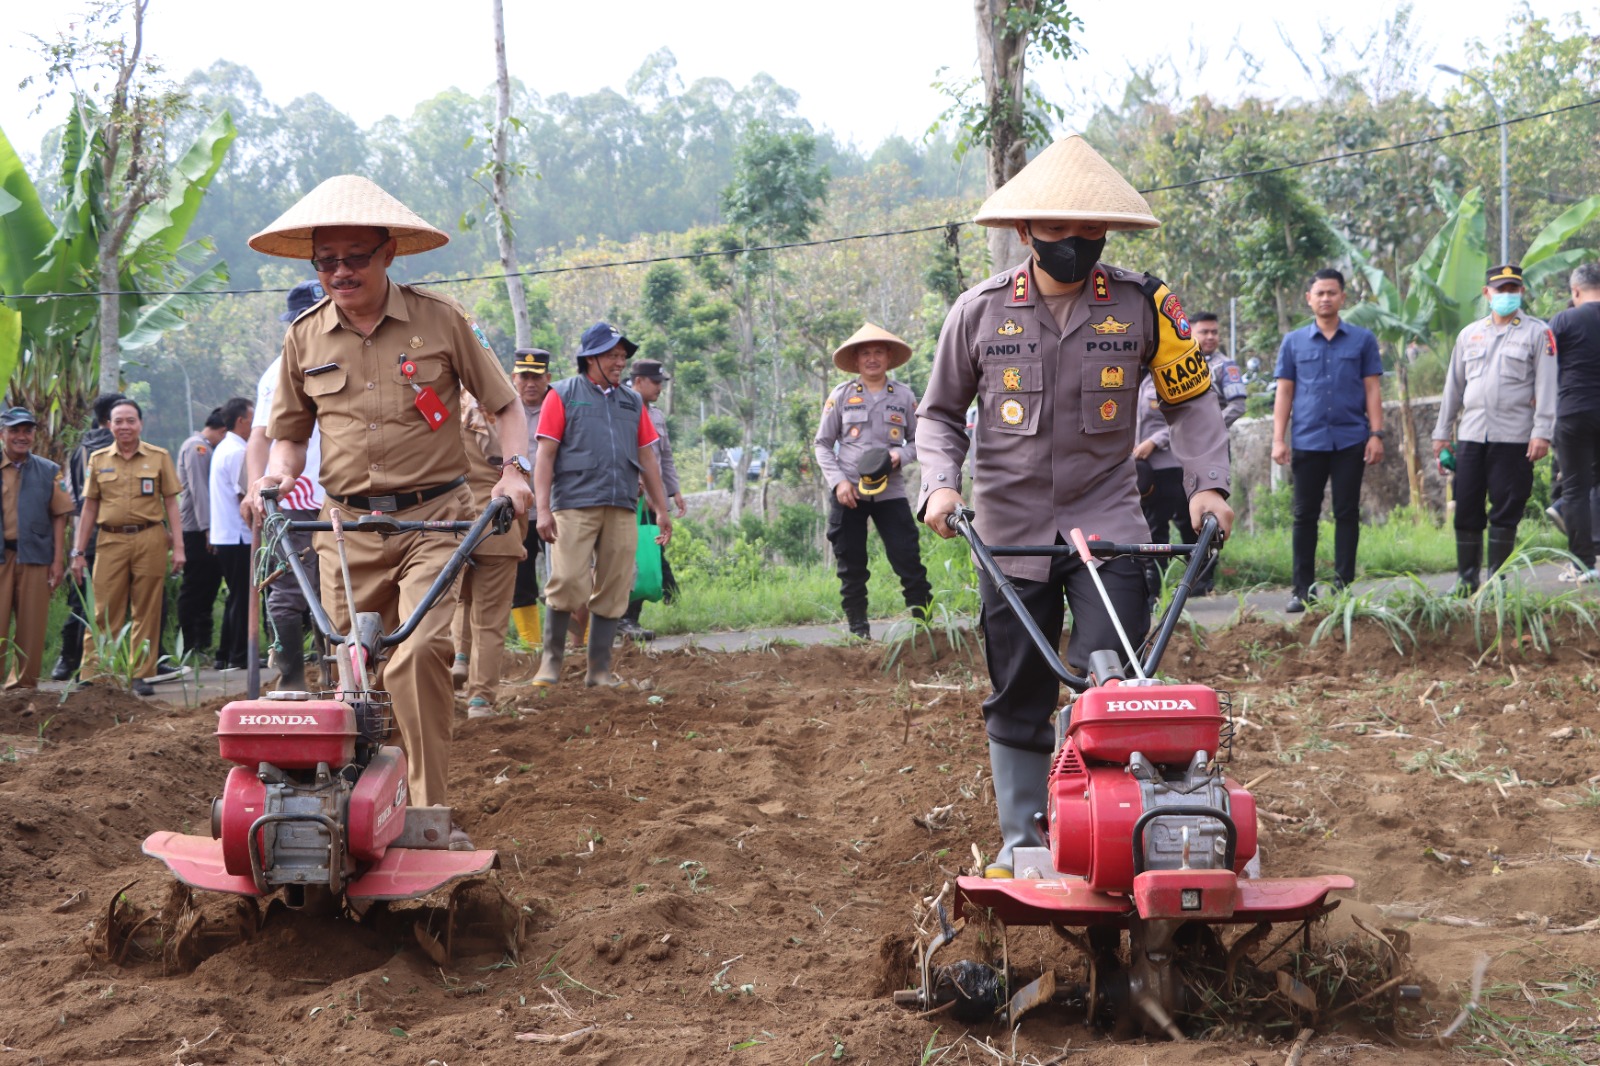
(1216, 610)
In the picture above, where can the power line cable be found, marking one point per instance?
(845, 238)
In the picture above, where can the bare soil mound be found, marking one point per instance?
(724, 866)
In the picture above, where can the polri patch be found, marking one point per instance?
(1110, 325)
(1009, 328)
(1012, 412)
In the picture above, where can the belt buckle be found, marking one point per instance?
(383, 503)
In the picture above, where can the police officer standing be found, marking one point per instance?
(202, 577)
(867, 435)
(131, 486)
(1054, 349)
(379, 367)
(1502, 385)
(1226, 379)
(532, 380)
(646, 377)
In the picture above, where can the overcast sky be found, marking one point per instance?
(863, 68)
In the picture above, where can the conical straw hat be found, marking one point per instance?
(1068, 181)
(844, 356)
(346, 200)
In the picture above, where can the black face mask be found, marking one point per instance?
(1070, 259)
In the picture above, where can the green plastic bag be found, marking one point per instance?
(647, 562)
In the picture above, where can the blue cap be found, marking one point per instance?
(301, 297)
(18, 416)
(600, 338)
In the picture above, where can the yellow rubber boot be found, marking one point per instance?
(530, 626)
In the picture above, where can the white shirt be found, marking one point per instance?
(227, 472)
(307, 494)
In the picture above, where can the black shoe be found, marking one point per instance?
(1297, 603)
(62, 670)
(141, 687)
(220, 665)
(861, 632)
(627, 627)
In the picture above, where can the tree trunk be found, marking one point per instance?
(501, 191)
(1408, 433)
(1002, 62)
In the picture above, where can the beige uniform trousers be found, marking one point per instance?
(129, 569)
(607, 537)
(25, 597)
(390, 575)
(482, 618)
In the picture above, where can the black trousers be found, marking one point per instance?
(847, 533)
(234, 562)
(202, 577)
(1311, 472)
(73, 628)
(1578, 445)
(525, 593)
(1026, 691)
(1494, 473)
(1167, 504)
(285, 599)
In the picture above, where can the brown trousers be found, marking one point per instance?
(390, 575)
(592, 560)
(25, 597)
(130, 570)
(481, 619)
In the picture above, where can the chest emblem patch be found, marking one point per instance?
(1009, 328)
(1011, 379)
(1110, 325)
(1108, 411)
(1111, 377)
(416, 342)
(1012, 412)
(894, 432)
(855, 431)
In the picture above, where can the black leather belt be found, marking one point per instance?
(399, 501)
(140, 528)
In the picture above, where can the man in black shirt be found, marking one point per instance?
(1576, 332)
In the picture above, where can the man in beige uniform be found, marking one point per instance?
(130, 487)
(479, 630)
(34, 505)
(379, 367)
(1054, 350)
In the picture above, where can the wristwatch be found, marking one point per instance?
(75, 553)
(1376, 433)
(520, 462)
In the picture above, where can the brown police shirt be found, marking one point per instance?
(1057, 408)
(374, 439)
(131, 491)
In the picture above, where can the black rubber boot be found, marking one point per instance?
(859, 626)
(555, 648)
(1502, 542)
(292, 655)
(1469, 557)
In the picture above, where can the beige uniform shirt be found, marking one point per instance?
(1057, 408)
(855, 418)
(132, 492)
(485, 464)
(374, 440)
(1502, 382)
(11, 487)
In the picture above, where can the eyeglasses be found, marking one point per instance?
(354, 262)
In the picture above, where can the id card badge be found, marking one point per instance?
(426, 401)
(147, 486)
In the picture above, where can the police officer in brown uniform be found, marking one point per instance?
(380, 367)
(479, 632)
(532, 379)
(870, 413)
(131, 488)
(1054, 350)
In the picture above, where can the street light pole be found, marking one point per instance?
(1505, 182)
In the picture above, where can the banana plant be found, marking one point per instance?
(49, 345)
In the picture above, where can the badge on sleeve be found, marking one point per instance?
(477, 331)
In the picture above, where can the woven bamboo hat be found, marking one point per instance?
(1068, 181)
(346, 200)
(844, 356)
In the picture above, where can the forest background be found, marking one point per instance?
(671, 176)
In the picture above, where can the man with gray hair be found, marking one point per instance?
(1576, 333)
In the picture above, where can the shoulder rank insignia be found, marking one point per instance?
(1108, 410)
(1102, 287)
(1009, 328)
(1012, 412)
(1110, 325)
(1173, 309)
(1019, 287)
(1111, 377)
(1011, 379)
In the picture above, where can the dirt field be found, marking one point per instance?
(724, 867)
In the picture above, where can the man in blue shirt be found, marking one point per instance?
(1328, 374)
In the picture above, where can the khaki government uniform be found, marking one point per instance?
(484, 604)
(130, 566)
(24, 587)
(375, 443)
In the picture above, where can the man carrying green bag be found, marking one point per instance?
(596, 445)
(647, 376)
(648, 565)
